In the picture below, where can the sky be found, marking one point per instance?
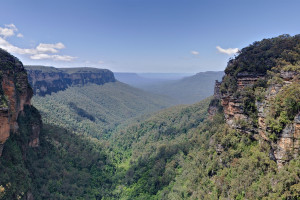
(173, 36)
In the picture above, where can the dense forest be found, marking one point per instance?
(172, 155)
(65, 166)
(96, 110)
(181, 152)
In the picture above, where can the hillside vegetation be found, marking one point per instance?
(97, 109)
(181, 152)
(65, 166)
(176, 154)
(276, 54)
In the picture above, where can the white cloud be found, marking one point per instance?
(8, 30)
(195, 53)
(42, 51)
(5, 32)
(100, 62)
(228, 51)
(52, 57)
(20, 35)
(13, 49)
(50, 48)
(11, 26)
(40, 56)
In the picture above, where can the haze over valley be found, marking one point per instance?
(149, 100)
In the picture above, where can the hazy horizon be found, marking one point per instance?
(141, 36)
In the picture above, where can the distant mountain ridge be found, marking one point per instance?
(141, 80)
(180, 87)
(189, 89)
(45, 80)
(132, 79)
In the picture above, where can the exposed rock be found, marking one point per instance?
(287, 145)
(45, 80)
(15, 94)
(217, 93)
(288, 75)
(246, 79)
(215, 103)
(233, 110)
(233, 106)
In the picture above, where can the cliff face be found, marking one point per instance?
(285, 146)
(15, 95)
(233, 105)
(45, 80)
(260, 95)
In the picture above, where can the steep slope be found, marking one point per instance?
(69, 166)
(181, 153)
(44, 162)
(97, 109)
(46, 80)
(223, 147)
(187, 90)
(15, 106)
(64, 166)
(266, 94)
(20, 125)
(246, 148)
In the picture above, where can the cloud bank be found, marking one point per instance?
(229, 51)
(40, 52)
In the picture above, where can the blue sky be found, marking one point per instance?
(141, 35)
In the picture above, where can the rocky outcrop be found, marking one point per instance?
(286, 146)
(15, 96)
(217, 93)
(215, 102)
(45, 80)
(233, 105)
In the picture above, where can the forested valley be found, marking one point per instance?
(112, 141)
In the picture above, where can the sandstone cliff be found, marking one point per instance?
(45, 80)
(16, 113)
(286, 144)
(260, 95)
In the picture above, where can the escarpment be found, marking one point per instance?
(260, 95)
(45, 80)
(17, 115)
